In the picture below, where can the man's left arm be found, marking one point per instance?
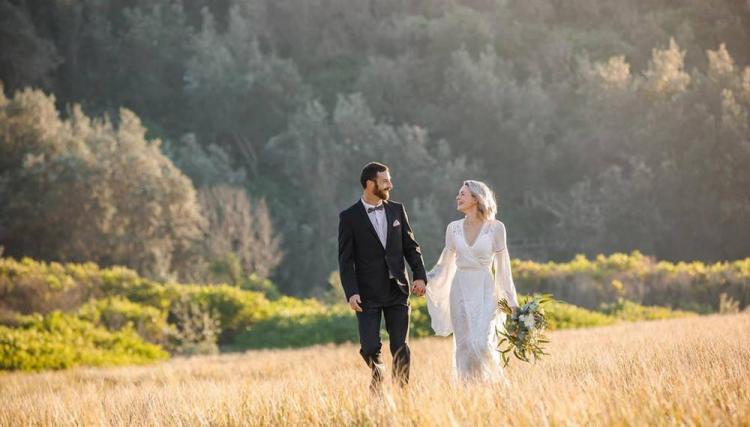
(412, 251)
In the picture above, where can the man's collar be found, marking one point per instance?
(367, 205)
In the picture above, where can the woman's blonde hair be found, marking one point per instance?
(486, 203)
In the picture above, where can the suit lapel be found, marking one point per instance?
(366, 219)
(389, 217)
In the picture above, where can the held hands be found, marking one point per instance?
(419, 287)
(354, 302)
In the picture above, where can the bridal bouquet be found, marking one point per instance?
(524, 330)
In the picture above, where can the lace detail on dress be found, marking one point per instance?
(458, 228)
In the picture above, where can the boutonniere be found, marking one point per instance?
(396, 223)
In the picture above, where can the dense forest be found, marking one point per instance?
(216, 141)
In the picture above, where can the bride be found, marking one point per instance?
(462, 293)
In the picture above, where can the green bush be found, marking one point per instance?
(116, 313)
(58, 341)
(630, 311)
(420, 319)
(121, 301)
(236, 309)
(559, 314)
(299, 323)
(254, 283)
(694, 286)
(28, 286)
(194, 328)
(121, 281)
(565, 316)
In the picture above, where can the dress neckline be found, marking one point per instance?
(476, 239)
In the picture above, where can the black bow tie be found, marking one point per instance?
(378, 207)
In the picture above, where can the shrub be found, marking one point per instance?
(58, 341)
(116, 313)
(588, 283)
(727, 305)
(236, 309)
(298, 323)
(28, 286)
(195, 328)
(561, 315)
(630, 311)
(197, 318)
(124, 282)
(253, 282)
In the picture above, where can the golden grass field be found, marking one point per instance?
(692, 371)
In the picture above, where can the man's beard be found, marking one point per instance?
(383, 194)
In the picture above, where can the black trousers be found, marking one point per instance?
(395, 308)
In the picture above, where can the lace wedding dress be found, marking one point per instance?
(462, 296)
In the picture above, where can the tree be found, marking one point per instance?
(205, 164)
(665, 75)
(323, 155)
(154, 42)
(85, 189)
(239, 97)
(234, 226)
(27, 57)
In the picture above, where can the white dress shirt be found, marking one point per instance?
(378, 220)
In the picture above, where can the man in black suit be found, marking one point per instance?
(374, 239)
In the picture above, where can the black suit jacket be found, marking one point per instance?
(364, 265)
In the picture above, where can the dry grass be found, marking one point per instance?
(693, 371)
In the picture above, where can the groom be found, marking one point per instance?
(374, 239)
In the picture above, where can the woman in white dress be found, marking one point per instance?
(462, 293)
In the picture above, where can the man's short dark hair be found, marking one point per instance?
(370, 172)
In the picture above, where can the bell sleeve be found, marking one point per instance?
(504, 286)
(439, 287)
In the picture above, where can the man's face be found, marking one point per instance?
(383, 185)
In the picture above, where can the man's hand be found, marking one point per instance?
(419, 287)
(354, 302)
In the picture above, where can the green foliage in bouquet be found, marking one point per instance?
(523, 334)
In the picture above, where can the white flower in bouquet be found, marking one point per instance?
(528, 320)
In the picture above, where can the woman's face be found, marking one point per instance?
(464, 200)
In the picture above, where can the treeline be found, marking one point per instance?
(82, 189)
(61, 315)
(603, 125)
